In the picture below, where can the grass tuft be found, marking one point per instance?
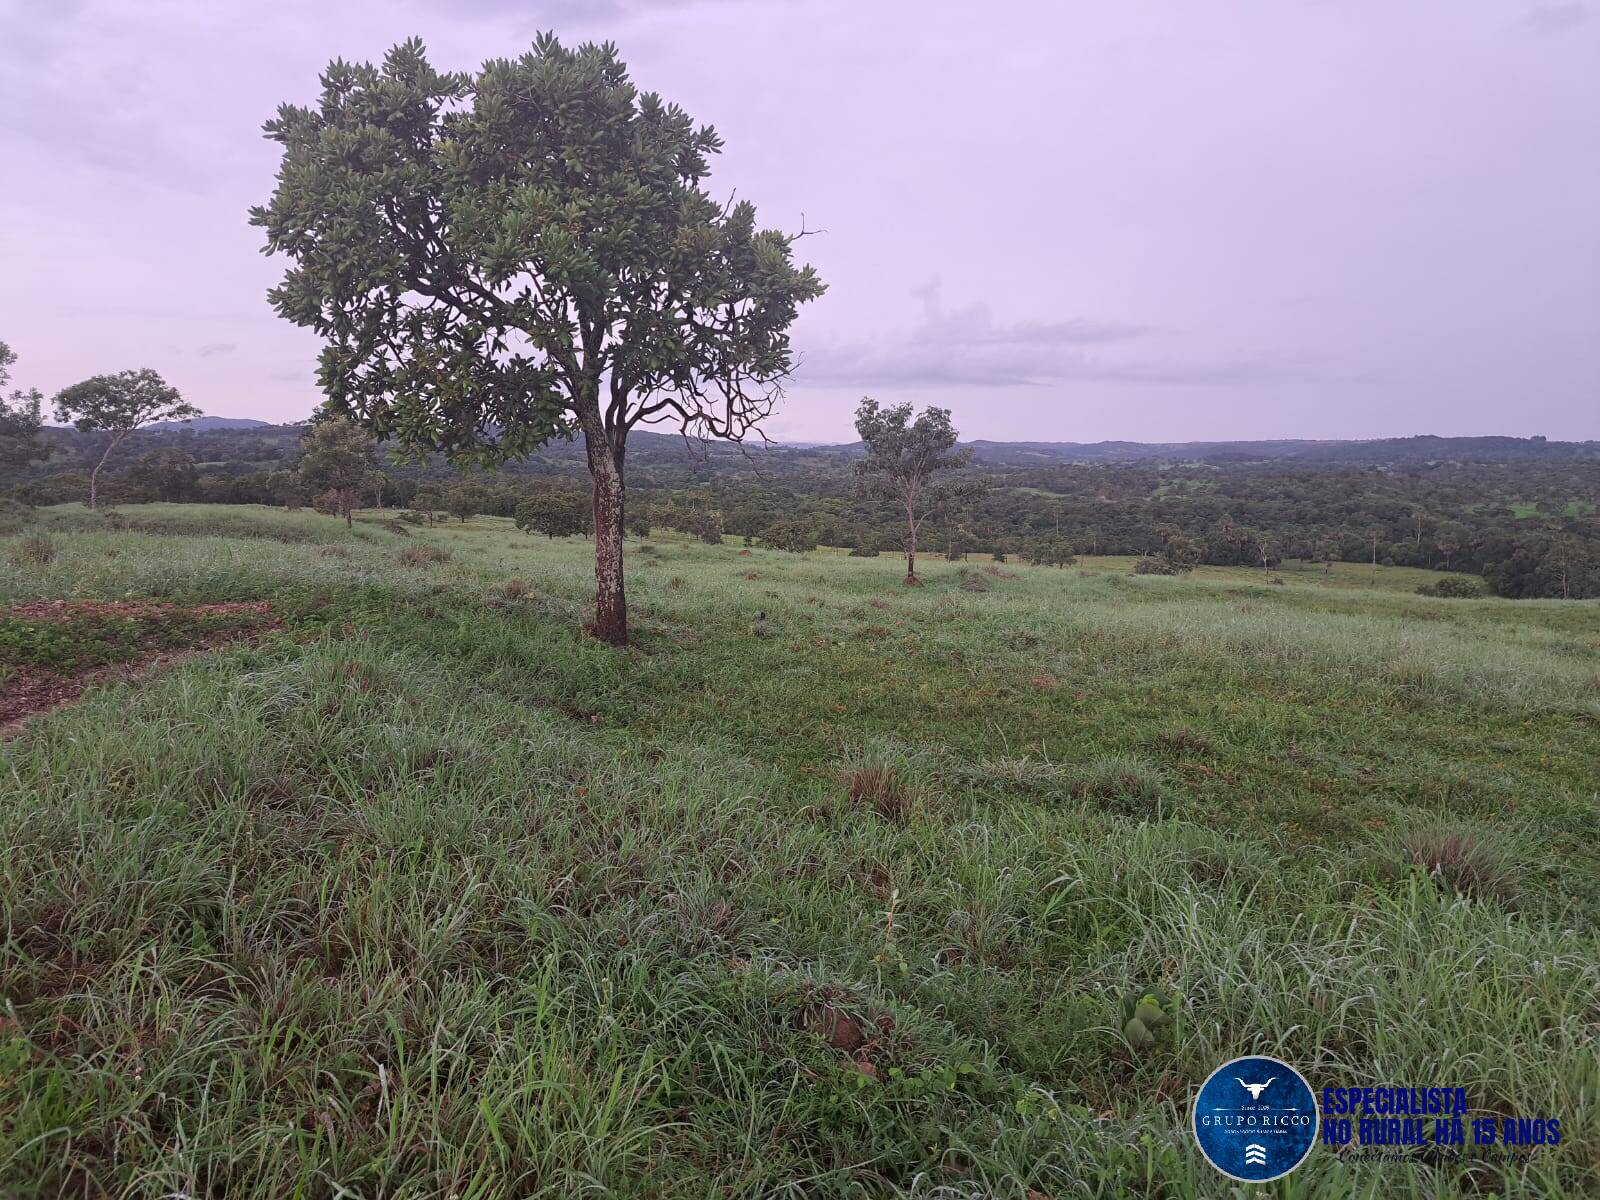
(35, 550)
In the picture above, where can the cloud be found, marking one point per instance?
(216, 349)
(974, 325)
(1554, 18)
(967, 346)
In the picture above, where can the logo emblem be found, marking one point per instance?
(1255, 1089)
(1255, 1119)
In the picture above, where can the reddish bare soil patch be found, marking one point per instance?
(71, 610)
(85, 642)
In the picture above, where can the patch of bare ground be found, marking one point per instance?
(145, 636)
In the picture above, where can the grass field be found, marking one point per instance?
(827, 887)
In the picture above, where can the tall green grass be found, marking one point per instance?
(430, 896)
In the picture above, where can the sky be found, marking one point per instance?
(1064, 220)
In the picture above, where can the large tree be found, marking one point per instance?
(499, 259)
(903, 462)
(117, 405)
(20, 419)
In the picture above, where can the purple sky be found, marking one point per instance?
(1065, 220)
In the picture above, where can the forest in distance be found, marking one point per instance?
(1524, 514)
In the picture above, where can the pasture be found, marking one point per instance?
(825, 887)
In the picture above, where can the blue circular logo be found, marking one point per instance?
(1255, 1119)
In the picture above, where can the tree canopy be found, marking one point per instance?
(117, 405)
(495, 260)
(554, 514)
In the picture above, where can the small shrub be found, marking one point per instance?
(397, 527)
(35, 550)
(1458, 860)
(412, 517)
(1454, 587)
(516, 589)
(863, 551)
(973, 583)
(421, 556)
(112, 519)
(1155, 564)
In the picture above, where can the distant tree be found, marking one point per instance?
(554, 514)
(285, 488)
(1449, 538)
(705, 524)
(499, 259)
(904, 457)
(1325, 548)
(637, 522)
(168, 475)
(335, 464)
(1569, 569)
(793, 535)
(1184, 553)
(20, 419)
(1052, 552)
(380, 485)
(463, 501)
(1263, 545)
(117, 405)
(429, 500)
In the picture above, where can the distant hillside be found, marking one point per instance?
(1413, 450)
(206, 423)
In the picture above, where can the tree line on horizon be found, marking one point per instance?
(1525, 529)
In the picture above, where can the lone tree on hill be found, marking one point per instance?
(499, 259)
(117, 405)
(335, 466)
(903, 457)
(20, 419)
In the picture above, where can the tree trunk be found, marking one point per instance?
(94, 475)
(610, 602)
(911, 549)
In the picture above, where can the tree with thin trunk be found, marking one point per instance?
(336, 466)
(904, 457)
(117, 405)
(498, 259)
